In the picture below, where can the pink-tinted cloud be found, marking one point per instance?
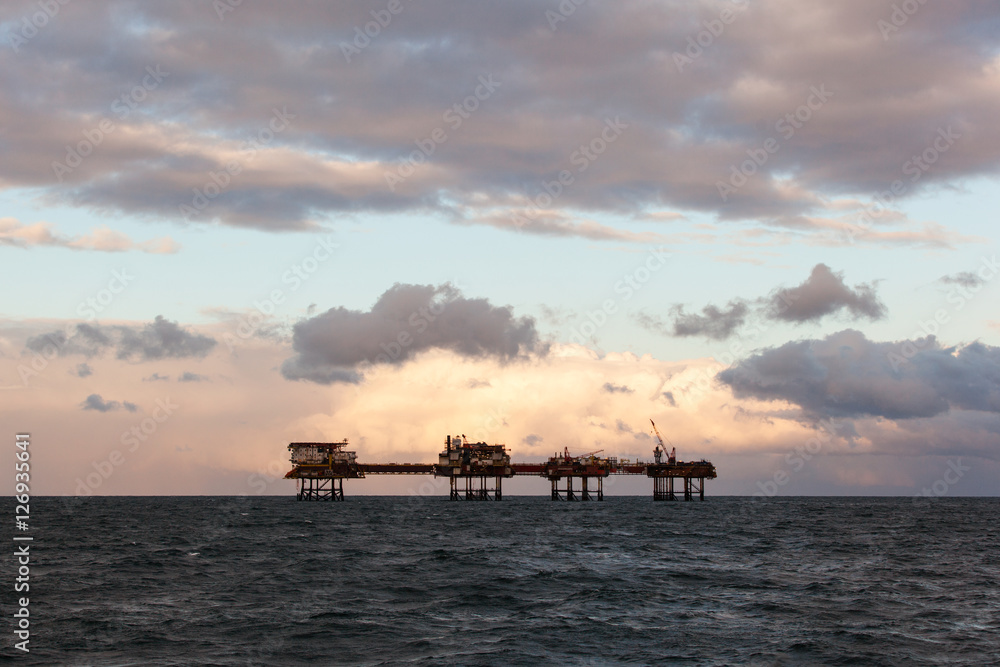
(100, 239)
(915, 106)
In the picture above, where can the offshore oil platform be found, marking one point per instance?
(476, 471)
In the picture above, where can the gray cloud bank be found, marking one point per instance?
(98, 404)
(160, 339)
(347, 122)
(847, 375)
(823, 293)
(407, 319)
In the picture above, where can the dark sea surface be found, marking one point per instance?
(526, 581)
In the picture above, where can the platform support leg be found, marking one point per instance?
(663, 488)
(310, 488)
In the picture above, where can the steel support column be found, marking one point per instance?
(475, 491)
(312, 488)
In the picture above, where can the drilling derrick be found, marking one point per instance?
(321, 468)
(473, 462)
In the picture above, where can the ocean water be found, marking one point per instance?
(526, 581)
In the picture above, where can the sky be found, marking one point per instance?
(769, 226)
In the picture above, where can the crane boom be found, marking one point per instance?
(658, 452)
(657, 431)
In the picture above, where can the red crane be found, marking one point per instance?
(658, 453)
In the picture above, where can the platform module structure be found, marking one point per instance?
(321, 468)
(476, 471)
(480, 468)
(584, 469)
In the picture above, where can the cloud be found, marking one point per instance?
(84, 370)
(403, 411)
(156, 377)
(824, 293)
(661, 216)
(557, 223)
(101, 239)
(847, 375)
(192, 377)
(335, 346)
(617, 389)
(966, 279)
(714, 323)
(160, 339)
(520, 140)
(669, 396)
(532, 439)
(86, 339)
(95, 402)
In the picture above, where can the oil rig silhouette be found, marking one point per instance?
(476, 471)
